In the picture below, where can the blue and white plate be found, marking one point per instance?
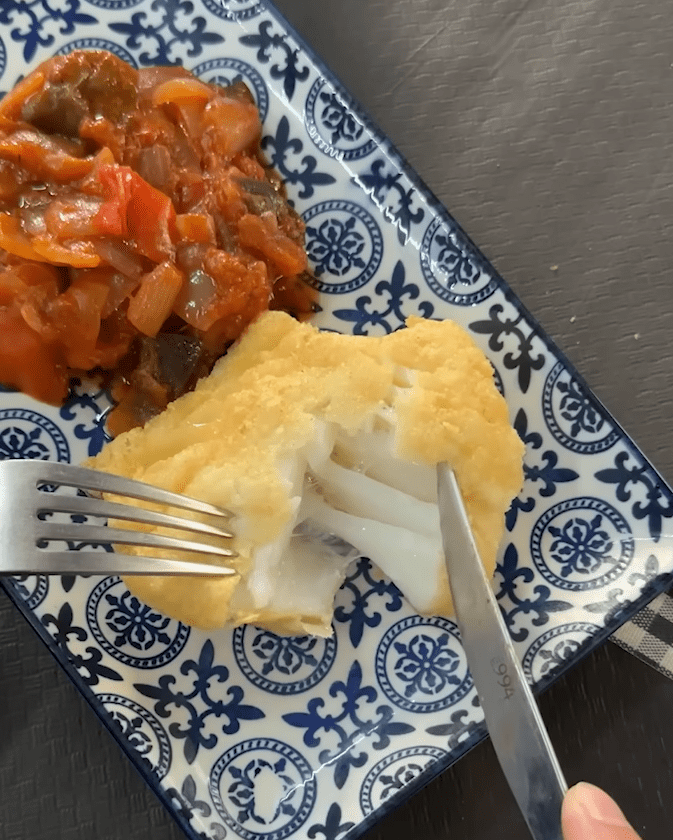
(247, 735)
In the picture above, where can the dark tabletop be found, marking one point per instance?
(546, 127)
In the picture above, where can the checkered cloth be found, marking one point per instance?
(649, 634)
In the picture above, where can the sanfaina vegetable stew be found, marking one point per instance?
(141, 230)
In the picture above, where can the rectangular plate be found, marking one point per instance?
(248, 735)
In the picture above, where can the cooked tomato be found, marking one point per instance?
(135, 206)
(28, 363)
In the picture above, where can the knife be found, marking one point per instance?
(513, 719)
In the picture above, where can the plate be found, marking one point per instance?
(248, 735)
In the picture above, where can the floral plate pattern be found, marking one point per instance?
(248, 735)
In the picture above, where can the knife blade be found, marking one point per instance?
(514, 723)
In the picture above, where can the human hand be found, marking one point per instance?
(588, 813)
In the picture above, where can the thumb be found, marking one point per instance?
(588, 813)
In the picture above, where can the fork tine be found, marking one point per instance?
(99, 534)
(103, 563)
(90, 506)
(65, 474)
(27, 476)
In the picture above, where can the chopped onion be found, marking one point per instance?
(190, 257)
(32, 220)
(153, 302)
(154, 166)
(151, 77)
(120, 256)
(121, 286)
(194, 303)
(72, 218)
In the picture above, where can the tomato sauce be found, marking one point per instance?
(141, 230)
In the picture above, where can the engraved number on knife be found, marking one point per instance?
(500, 669)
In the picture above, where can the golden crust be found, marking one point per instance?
(226, 442)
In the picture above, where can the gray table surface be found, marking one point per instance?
(546, 127)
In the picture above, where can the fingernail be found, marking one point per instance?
(598, 807)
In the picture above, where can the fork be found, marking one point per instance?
(25, 533)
